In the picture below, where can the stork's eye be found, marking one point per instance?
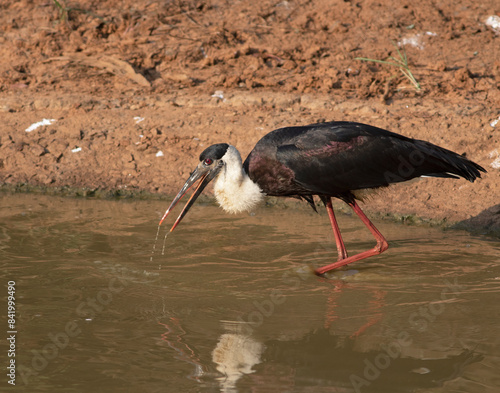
(208, 161)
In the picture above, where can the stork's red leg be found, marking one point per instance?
(336, 231)
(381, 246)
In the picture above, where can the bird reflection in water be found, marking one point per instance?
(235, 356)
(239, 349)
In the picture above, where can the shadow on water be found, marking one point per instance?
(233, 305)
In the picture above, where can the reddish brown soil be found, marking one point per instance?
(202, 71)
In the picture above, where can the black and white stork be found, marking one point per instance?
(330, 160)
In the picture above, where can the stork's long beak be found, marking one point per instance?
(205, 174)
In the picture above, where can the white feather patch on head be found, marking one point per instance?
(234, 190)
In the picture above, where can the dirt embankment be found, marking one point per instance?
(137, 89)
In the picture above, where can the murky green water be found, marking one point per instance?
(233, 306)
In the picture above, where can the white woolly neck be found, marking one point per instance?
(234, 190)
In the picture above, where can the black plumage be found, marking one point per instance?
(333, 159)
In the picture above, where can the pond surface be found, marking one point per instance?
(233, 305)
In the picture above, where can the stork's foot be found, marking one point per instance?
(378, 249)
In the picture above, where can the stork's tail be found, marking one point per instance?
(440, 162)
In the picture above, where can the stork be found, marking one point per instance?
(329, 160)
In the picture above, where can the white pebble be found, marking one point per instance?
(44, 122)
(493, 22)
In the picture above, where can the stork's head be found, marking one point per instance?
(211, 163)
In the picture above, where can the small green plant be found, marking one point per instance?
(64, 11)
(400, 62)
